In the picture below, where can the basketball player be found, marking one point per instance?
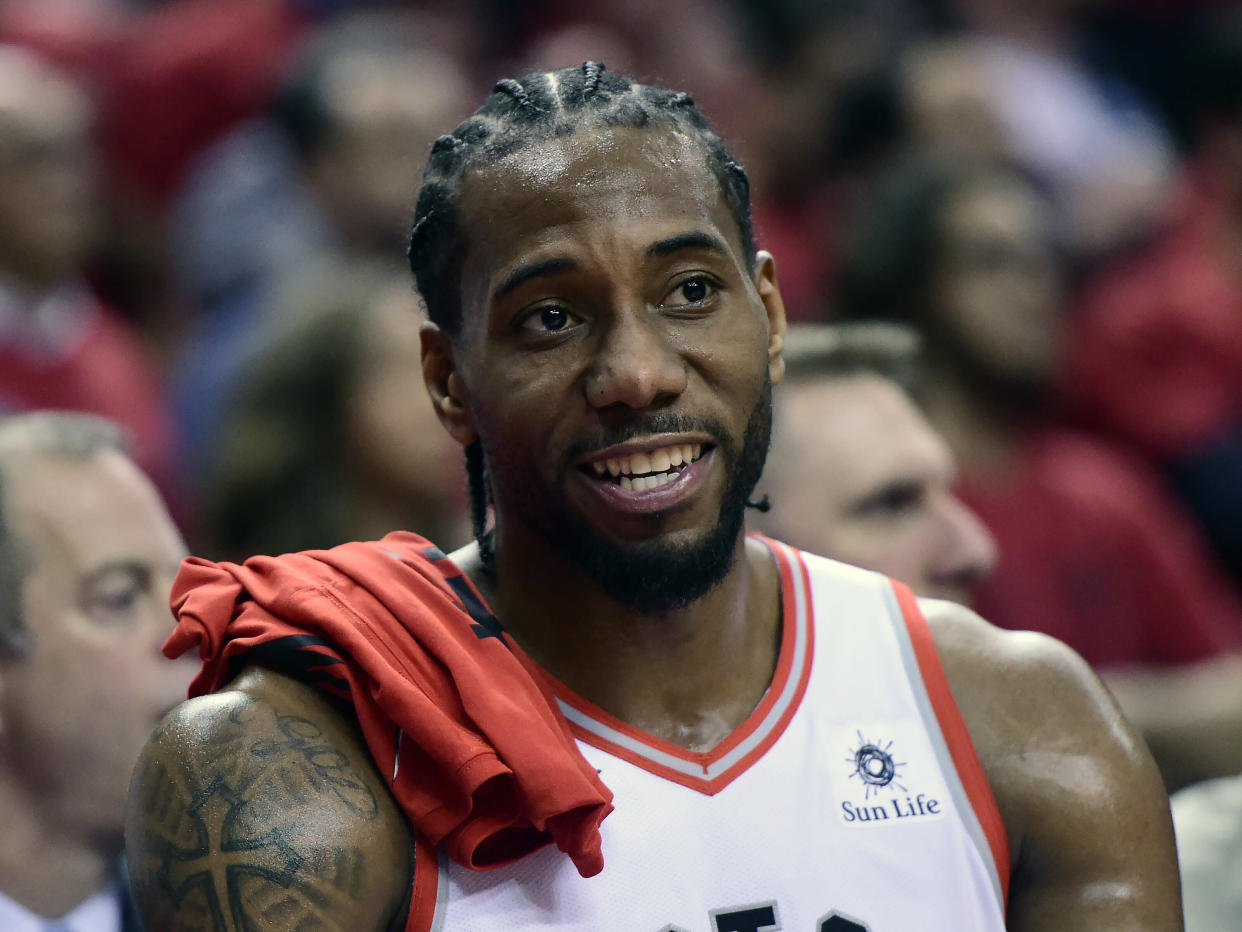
(615, 710)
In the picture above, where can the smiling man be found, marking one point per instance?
(614, 710)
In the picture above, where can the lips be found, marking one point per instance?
(649, 479)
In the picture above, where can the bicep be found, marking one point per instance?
(1087, 816)
(1096, 849)
(263, 812)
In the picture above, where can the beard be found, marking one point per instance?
(654, 576)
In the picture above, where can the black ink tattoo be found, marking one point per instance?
(234, 840)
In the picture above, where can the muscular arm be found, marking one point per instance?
(1087, 816)
(259, 808)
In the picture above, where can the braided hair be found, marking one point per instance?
(532, 109)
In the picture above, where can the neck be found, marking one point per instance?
(688, 676)
(44, 868)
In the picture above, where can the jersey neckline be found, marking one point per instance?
(706, 771)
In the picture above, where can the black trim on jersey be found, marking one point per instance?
(290, 655)
(486, 625)
(402, 916)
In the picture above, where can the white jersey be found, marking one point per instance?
(850, 799)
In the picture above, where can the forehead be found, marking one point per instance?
(858, 431)
(88, 512)
(594, 181)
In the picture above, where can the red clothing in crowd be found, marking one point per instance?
(1094, 553)
(70, 352)
(1156, 350)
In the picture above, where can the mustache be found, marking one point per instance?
(646, 425)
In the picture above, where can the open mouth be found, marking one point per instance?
(651, 469)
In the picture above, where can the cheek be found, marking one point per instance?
(893, 551)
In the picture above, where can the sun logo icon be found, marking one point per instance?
(874, 765)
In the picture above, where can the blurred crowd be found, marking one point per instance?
(203, 207)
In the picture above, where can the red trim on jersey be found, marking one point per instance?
(704, 759)
(426, 886)
(956, 736)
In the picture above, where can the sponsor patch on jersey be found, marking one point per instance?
(887, 773)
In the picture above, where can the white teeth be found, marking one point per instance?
(643, 483)
(658, 462)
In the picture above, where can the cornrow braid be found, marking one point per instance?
(522, 112)
(591, 71)
(517, 92)
(476, 481)
(533, 109)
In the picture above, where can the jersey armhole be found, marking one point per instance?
(423, 914)
(957, 737)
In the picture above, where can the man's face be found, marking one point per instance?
(615, 358)
(859, 475)
(76, 709)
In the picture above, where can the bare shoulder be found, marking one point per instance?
(1086, 813)
(260, 808)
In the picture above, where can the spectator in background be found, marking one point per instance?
(328, 175)
(1156, 354)
(856, 472)
(87, 556)
(60, 347)
(1092, 548)
(328, 436)
(1106, 159)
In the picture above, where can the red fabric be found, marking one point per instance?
(183, 74)
(1093, 552)
(1155, 355)
(486, 767)
(100, 367)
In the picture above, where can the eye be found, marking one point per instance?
(551, 318)
(112, 598)
(690, 292)
(892, 501)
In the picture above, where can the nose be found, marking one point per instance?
(635, 365)
(969, 554)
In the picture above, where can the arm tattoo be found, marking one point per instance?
(254, 832)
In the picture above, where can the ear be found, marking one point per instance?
(448, 392)
(770, 295)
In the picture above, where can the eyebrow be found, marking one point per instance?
(525, 273)
(693, 240)
(136, 569)
(664, 247)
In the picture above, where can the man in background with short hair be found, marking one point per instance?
(857, 473)
(87, 557)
